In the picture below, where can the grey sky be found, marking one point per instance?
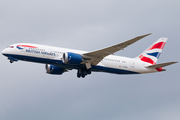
(28, 93)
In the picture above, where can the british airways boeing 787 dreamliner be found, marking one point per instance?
(60, 60)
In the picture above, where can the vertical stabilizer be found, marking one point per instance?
(151, 55)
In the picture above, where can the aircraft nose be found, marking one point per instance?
(4, 51)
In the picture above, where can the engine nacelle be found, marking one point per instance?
(51, 69)
(72, 58)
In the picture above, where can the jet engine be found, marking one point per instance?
(51, 69)
(72, 58)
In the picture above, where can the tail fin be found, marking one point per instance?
(151, 55)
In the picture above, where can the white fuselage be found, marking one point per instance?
(53, 55)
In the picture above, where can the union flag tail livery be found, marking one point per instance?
(151, 55)
(59, 60)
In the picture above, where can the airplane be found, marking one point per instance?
(59, 60)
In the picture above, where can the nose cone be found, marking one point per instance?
(4, 52)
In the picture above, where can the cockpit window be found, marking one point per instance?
(10, 46)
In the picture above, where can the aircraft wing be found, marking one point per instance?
(96, 56)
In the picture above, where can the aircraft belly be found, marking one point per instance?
(112, 70)
(113, 67)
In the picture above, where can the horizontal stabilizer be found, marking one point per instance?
(161, 65)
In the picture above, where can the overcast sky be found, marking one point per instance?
(28, 93)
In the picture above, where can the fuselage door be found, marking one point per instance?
(132, 64)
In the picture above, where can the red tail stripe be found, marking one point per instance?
(27, 46)
(159, 69)
(146, 59)
(159, 45)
